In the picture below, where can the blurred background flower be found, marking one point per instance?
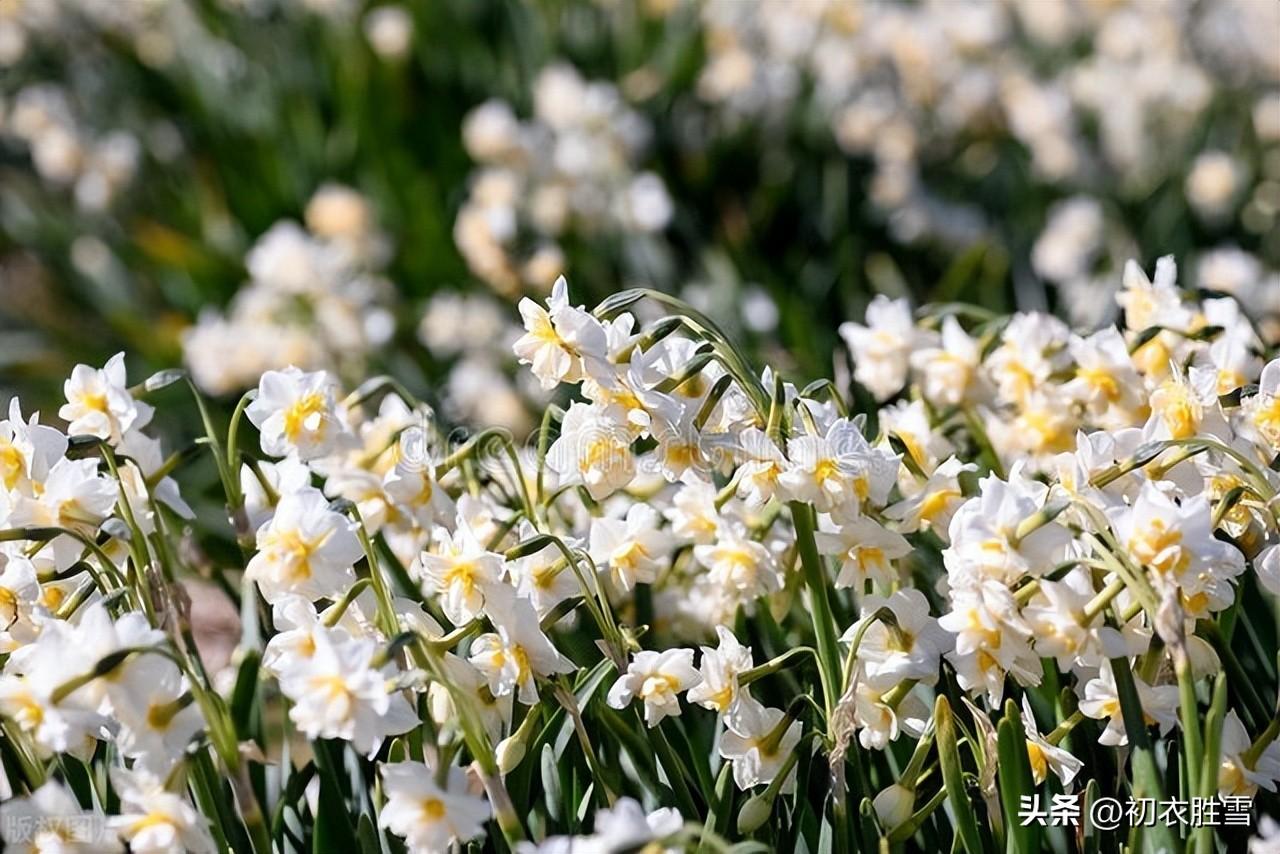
(237, 185)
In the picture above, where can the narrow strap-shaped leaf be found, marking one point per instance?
(953, 777)
(1146, 777)
(1203, 836)
(333, 829)
(1015, 779)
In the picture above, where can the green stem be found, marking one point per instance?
(820, 606)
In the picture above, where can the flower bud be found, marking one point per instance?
(894, 805)
(509, 752)
(754, 812)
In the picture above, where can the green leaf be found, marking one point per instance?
(1088, 833)
(333, 829)
(367, 833)
(245, 693)
(1016, 779)
(1203, 836)
(953, 777)
(1146, 776)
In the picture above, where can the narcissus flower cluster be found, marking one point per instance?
(700, 603)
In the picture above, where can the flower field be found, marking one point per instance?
(810, 426)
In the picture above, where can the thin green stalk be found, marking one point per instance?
(820, 606)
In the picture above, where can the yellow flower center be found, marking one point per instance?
(1178, 410)
(659, 685)
(333, 687)
(1159, 547)
(8, 608)
(1039, 764)
(30, 713)
(521, 659)
(1101, 381)
(148, 821)
(722, 698)
(1267, 419)
(51, 597)
(96, 401)
(297, 415)
(12, 464)
(628, 557)
(936, 502)
(602, 453)
(825, 469)
(294, 551)
(433, 809)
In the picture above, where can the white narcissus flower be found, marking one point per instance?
(29, 686)
(657, 678)
(99, 403)
(283, 478)
(625, 389)
(882, 348)
(1101, 701)
(518, 652)
(74, 495)
(623, 827)
(720, 668)
(431, 817)
(992, 640)
(297, 626)
(760, 472)
(544, 577)
(1056, 615)
(984, 532)
(341, 692)
(949, 371)
(758, 741)
(295, 413)
(932, 505)
(1267, 564)
(145, 460)
(1175, 542)
(1239, 775)
(28, 450)
(866, 551)
(157, 714)
(1185, 405)
(1263, 409)
(462, 677)
(878, 722)
(1106, 381)
(633, 549)
(26, 698)
(1155, 301)
(1044, 756)
(154, 820)
(738, 564)
(51, 821)
(911, 649)
(460, 571)
(305, 549)
(412, 490)
(19, 596)
(559, 338)
(1032, 348)
(627, 827)
(912, 424)
(838, 470)
(593, 449)
(693, 513)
